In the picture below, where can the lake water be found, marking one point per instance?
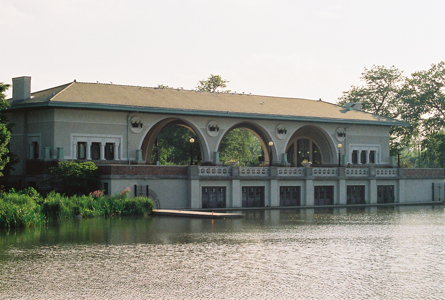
(372, 253)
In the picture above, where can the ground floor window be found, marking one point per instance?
(355, 194)
(385, 194)
(323, 195)
(109, 151)
(289, 196)
(213, 197)
(81, 150)
(253, 196)
(95, 151)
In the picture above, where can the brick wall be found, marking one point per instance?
(143, 170)
(423, 172)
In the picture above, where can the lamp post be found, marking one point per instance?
(339, 152)
(192, 140)
(270, 153)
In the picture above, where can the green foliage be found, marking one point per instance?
(5, 134)
(72, 178)
(212, 83)
(174, 146)
(19, 210)
(433, 150)
(242, 146)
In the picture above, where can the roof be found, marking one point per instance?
(177, 101)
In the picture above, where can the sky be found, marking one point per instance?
(287, 48)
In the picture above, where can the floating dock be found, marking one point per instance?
(196, 214)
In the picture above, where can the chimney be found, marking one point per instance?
(21, 88)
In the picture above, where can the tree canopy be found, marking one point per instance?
(5, 133)
(212, 84)
(418, 100)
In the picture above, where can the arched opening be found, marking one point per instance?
(172, 142)
(309, 144)
(245, 145)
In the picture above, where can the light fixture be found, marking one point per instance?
(339, 150)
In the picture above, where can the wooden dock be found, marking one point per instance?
(196, 214)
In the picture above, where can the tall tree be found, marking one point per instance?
(240, 145)
(212, 83)
(425, 93)
(381, 94)
(5, 134)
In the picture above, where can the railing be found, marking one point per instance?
(291, 171)
(357, 172)
(214, 171)
(386, 172)
(254, 171)
(325, 172)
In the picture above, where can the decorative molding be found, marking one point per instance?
(281, 131)
(212, 128)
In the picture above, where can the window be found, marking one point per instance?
(95, 151)
(109, 151)
(372, 157)
(253, 196)
(35, 150)
(363, 157)
(213, 197)
(289, 196)
(355, 194)
(385, 194)
(81, 150)
(323, 195)
(355, 157)
(305, 149)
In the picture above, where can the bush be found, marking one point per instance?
(72, 178)
(18, 210)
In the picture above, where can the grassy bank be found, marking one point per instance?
(28, 208)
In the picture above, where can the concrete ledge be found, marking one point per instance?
(195, 214)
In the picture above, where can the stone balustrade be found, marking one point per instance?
(215, 171)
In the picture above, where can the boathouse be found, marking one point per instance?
(116, 126)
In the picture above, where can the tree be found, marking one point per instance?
(240, 145)
(382, 94)
(174, 146)
(424, 92)
(72, 178)
(5, 134)
(433, 150)
(213, 83)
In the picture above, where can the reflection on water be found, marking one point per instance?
(393, 252)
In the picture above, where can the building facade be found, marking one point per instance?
(116, 127)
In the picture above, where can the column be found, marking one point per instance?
(88, 151)
(102, 150)
(342, 192)
(116, 151)
(74, 151)
(236, 193)
(309, 193)
(274, 193)
(373, 191)
(195, 200)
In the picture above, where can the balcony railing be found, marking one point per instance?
(254, 171)
(215, 171)
(291, 171)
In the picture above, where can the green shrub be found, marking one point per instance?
(19, 211)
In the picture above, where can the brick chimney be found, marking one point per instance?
(21, 88)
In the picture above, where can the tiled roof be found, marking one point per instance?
(94, 95)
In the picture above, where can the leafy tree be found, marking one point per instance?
(5, 134)
(212, 83)
(424, 92)
(72, 178)
(383, 93)
(433, 150)
(174, 146)
(240, 145)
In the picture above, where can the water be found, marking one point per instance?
(395, 252)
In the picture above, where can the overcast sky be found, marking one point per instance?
(290, 48)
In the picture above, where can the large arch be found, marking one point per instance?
(260, 133)
(310, 139)
(152, 134)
